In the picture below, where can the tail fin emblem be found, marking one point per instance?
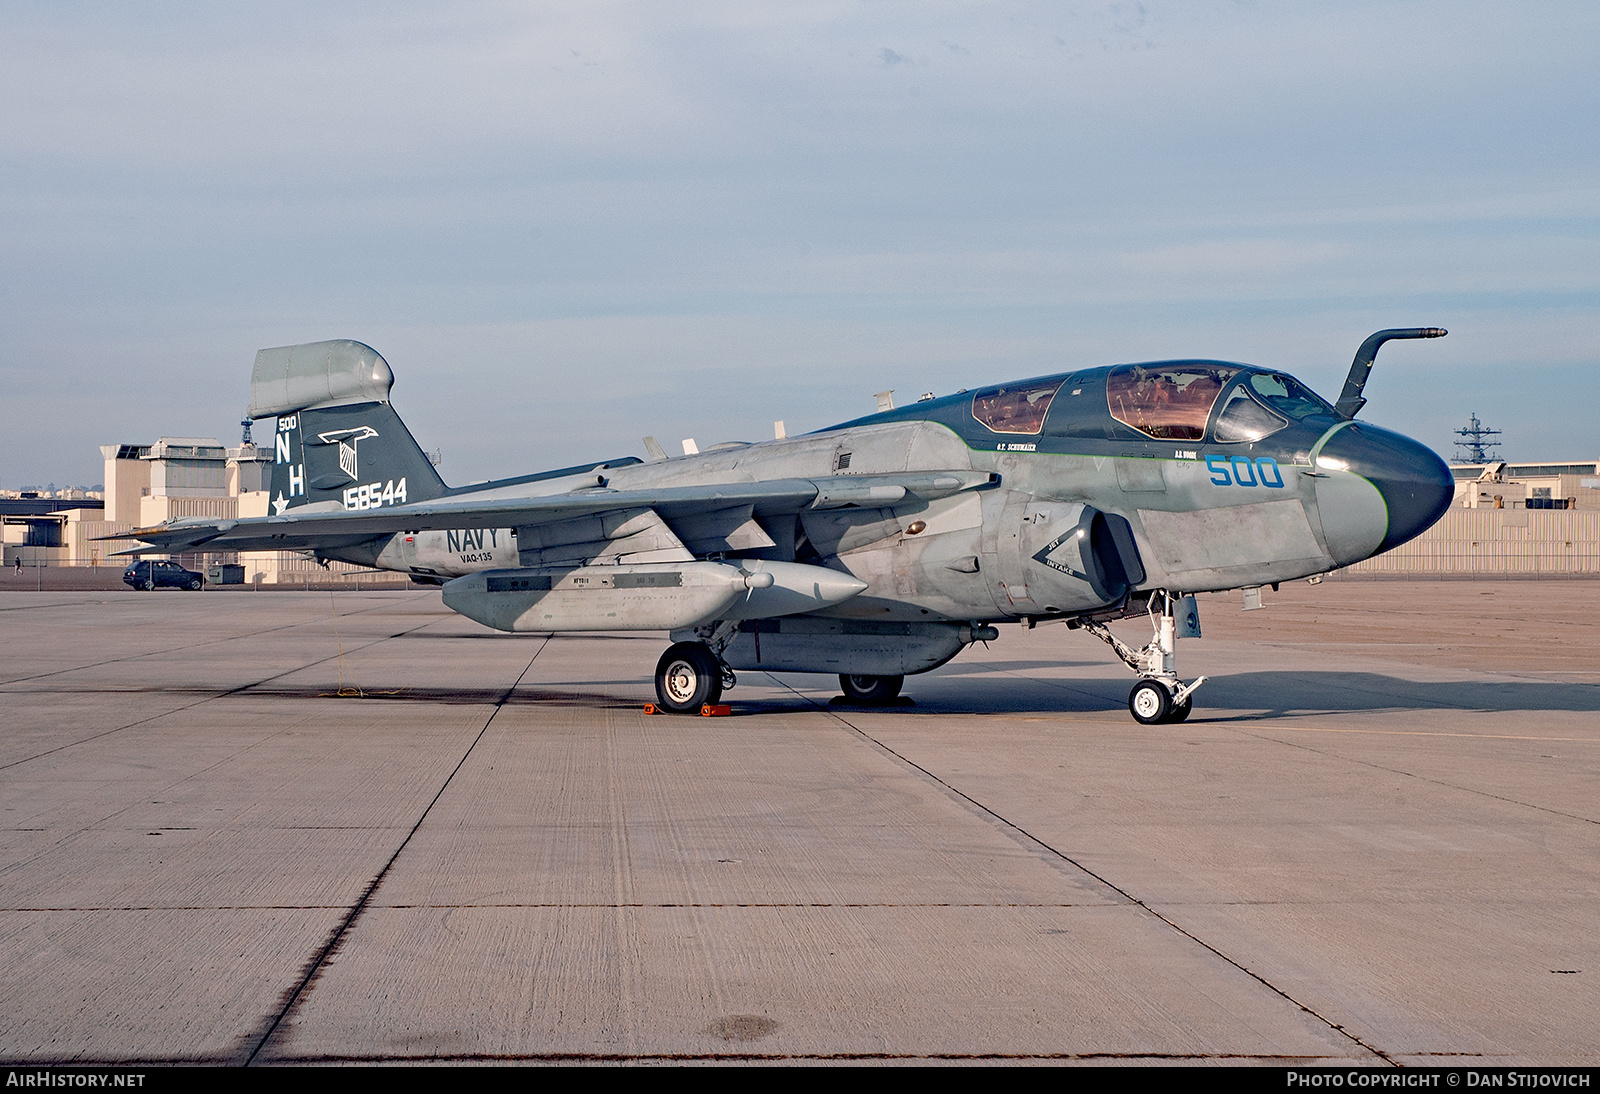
(348, 440)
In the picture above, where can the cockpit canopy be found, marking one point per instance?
(1016, 408)
(1170, 402)
(1173, 401)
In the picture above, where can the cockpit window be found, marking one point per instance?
(1169, 403)
(1288, 396)
(1015, 408)
(1244, 419)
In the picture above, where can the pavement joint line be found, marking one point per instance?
(576, 904)
(337, 936)
(758, 905)
(38, 607)
(1259, 978)
(208, 698)
(1439, 733)
(177, 710)
(190, 646)
(1426, 779)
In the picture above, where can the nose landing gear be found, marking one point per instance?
(1159, 698)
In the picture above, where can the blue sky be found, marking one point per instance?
(568, 225)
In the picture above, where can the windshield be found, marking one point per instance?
(1244, 419)
(1288, 396)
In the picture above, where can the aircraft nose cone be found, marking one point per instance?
(1416, 484)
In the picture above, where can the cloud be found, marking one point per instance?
(1232, 259)
(749, 188)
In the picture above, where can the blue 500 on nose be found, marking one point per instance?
(1244, 471)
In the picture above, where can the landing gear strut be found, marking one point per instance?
(1159, 697)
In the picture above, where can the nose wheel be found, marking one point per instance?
(1159, 698)
(1151, 703)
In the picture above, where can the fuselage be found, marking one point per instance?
(1180, 475)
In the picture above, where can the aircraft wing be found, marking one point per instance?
(300, 529)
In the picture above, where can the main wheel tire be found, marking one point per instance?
(1181, 711)
(194, 584)
(688, 677)
(871, 689)
(1150, 702)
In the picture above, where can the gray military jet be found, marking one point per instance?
(874, 549)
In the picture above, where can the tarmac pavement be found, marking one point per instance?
(360, 828)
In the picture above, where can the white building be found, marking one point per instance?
(1503, 485)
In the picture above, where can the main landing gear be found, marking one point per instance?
(1159, 697)
(871, 690)
(691, 675)
(688, 677)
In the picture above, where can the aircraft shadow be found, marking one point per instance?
(1266, 694)
(1281, 692)
(1251, 696)
(978, 668)
(527, 636)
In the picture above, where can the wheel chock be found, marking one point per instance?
(720, 710)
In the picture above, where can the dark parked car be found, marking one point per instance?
(147, 574)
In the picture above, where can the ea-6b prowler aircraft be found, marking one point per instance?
(874, 549)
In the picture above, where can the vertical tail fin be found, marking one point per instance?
(359, 456)
(339, 443)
